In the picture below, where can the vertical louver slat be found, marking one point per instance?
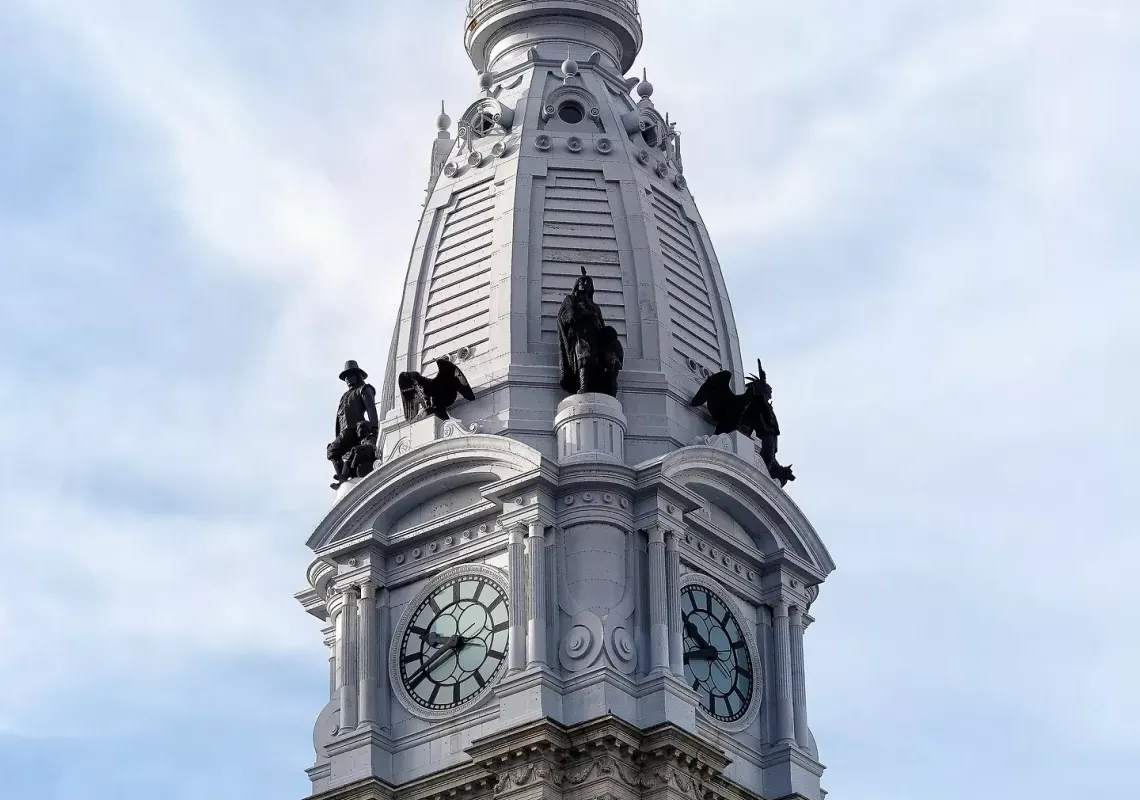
(458, 310)
(690, 310)
(578, 231)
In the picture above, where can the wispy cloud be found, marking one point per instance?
(926, 212)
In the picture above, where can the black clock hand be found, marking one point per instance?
(703, 654)
(696, 634)
(449, 644)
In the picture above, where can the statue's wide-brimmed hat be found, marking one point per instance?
(350, 367)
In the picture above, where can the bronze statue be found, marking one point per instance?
(422, 396)
(750, 412)
(592, 354)
(357, 426)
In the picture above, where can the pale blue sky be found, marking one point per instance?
(929, 221)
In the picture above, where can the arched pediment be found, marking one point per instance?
(751, 499)
(396, 488)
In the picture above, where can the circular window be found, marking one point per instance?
(571, 113)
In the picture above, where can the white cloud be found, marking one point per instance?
(985, 148)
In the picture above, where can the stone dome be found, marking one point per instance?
(549, 174)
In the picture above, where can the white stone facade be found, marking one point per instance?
(588, 517)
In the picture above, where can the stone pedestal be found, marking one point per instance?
(590, 428)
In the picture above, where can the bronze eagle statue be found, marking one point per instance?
(750, 412)
(423, 396)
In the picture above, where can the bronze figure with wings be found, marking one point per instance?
(423, 396)
(751, 413)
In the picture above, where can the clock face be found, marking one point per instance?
(455, 643)
(718, 664)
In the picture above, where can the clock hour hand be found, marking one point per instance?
(446, 646)
(703, 654)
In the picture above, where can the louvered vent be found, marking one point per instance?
(458, 309)
(693, 324)
(578, 231)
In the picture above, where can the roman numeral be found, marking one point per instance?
(456, 698)
(495, 604)
(408, 659)
(418, 631)
(434, 694)
(479, 679)
(434, 605)
(502, 626)
(495, 654)
(478, 590)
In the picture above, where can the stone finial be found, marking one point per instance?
(443, 122)
(569, 66)
(645, 88)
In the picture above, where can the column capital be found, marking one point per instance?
(780, 609)
(368, 590)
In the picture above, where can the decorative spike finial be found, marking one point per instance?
(569, 66)
(443, 122)
(645, 88)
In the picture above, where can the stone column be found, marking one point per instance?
(383, 635)
(799, 685)
(350, 656)
(673, 603)
(658, 614)
(516, 566)
(536, 602)
(553, 621)
(785, 723)
(338, 649)
(369, 647)
(330, 643)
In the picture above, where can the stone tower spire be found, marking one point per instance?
(501, 32)
(560, 577)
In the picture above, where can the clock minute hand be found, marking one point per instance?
(449, 644)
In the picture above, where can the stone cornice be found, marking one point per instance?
(781, 754)
(421, 467)
(602, 751)
(769, 499)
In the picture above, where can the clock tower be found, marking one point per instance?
(569, 568)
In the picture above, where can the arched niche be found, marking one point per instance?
(437, 499)
(751, 499)
(737, 519)
(399, 486)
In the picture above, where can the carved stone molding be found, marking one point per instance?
(528, 774)
(601, 758)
